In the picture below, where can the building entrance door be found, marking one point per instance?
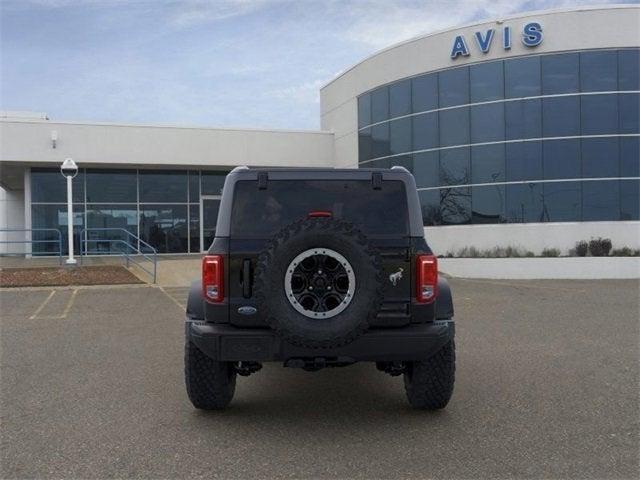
(209, 206)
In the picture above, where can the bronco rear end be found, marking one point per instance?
(316, 268)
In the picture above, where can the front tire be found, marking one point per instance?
(429, 383)
(210, 384)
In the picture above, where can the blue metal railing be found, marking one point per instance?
(130, 247)
(31, 241)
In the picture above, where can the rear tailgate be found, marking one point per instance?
(260, 211)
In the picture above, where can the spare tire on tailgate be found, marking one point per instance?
(319, 283)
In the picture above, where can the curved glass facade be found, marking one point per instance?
(541, 138)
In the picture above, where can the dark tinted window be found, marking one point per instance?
(488, 204)
(163, 186)
(194, 228)
(629, 200)
(560, 73)
(487, 163)
(600, 200)
(380, 140)
(400, 135)
(487, 81)
(562, 201)
(523, 119)
(599, 114)
(487, 123)
(194, 186)
(380, 104)
(455, 205)
(600, 157)
(629, 112)
(561, 116)
(364, 110)
(524, 203)
(454, 87)
(425, 92)
(165, 227)
(112, 186)
(522, 77)
(629, 69)
(48, 185)
(365, 145)
(561, 159)
(454, 166)
(400, 98)
(523, 161)
(454, 126)
(425, 131)
(113, 217)
(630, 157)
(55, 216)
(212, 182)
(426, 169)
(261, 213)
(430, 203)
(599, 71)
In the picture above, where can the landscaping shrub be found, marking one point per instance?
(624, 252)
(550, 252)
(600, 247)
(581, 248)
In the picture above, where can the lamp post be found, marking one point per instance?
(69, 169)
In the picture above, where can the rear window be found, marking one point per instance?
(262, 213)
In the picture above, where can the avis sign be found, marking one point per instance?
(531, 37)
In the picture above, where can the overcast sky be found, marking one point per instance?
(247, 63)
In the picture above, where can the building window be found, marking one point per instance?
(105, 186)
(380, 105)
(424, 93)
(486, 81)
(454, 87)
(582, 125)
(560, 73)
(400, 98)
(163, 186)
(48, 185)
(165, 227)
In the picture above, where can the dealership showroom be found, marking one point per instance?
(520, 131)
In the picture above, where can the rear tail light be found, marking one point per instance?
(213, 278)
(426, 278)
(319, 213)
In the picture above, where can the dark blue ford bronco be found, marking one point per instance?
(319, 268)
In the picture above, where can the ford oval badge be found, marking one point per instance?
(247, 310)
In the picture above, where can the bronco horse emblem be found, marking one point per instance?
(394, 277)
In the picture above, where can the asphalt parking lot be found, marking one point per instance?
(547, 386)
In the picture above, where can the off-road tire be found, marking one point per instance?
(291, 325)
(429, 383)
(210, 384)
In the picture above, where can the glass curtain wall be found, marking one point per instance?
(541, 138)
(161, 207)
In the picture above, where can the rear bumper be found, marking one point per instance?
(231, 344)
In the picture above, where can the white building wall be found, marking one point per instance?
(30, 141)
(530, 236)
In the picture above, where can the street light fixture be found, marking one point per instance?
(69, 169)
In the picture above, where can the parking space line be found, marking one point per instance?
(182, 307)
(42, 305)
(69, 304)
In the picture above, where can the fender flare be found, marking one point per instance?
(195, 303)
(444, 302)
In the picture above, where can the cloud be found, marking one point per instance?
(378, 23)
(194, 12)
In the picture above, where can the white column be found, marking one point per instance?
(70, 260)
